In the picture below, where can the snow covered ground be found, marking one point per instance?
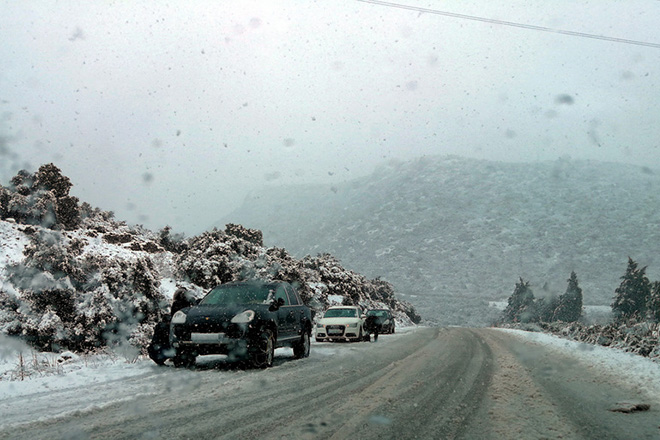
(49, 371)
(634, 369)
(43, 372)
(67, 386)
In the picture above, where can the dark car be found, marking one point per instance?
(246, 321)
(383, 319)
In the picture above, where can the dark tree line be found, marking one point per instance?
(524, 307)
(636, 299)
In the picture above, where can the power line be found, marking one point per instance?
(512, 24)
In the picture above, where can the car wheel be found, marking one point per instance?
(301, 348)
(183, 359)
(263, 350)
(156, 353)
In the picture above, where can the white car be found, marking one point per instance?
(341, 323)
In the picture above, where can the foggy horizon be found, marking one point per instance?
(172, 114)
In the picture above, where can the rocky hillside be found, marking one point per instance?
(452, 234)
(71, 276)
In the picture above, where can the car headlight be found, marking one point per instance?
(354, 324)
(179, 318)
(243, 317)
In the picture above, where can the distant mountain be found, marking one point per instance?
(452, 234)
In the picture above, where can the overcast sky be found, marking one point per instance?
(169, 113)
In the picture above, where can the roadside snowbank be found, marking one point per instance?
(633, 369)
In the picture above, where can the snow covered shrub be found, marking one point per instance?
(134, 289)
(94, 314)
(18, 206)
(654, 302)
(140, 337)
(41, 199)
(281, 266)
(115, 238)
(68, 212)
(94, 215)
(4, 202)
(42, 209)
(254, 236)
(58, 301)
(9, 319)
(23, 182)
(207, 261)
(50, 178)
(49, 252)
(97, 300)
(171, 242)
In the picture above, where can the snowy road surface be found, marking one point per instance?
(427, 383)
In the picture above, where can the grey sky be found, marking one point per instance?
(171, 113)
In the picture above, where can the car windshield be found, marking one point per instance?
(239, 294)
(167, 165)
(341, 313)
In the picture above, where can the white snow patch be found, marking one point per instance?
(633, 369)
(13, 242)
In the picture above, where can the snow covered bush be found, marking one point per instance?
(254, 236)
(87, 281)
(41, 199)
(171, 242)
(654, 302)
(81, 302)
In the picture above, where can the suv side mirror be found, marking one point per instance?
(276, 304)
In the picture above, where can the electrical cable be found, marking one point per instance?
(512, 24)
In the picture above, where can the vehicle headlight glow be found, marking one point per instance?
(243, 317)
(179, 318)
(354, 324)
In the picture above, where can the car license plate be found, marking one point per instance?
(335, 331)
(208, 338)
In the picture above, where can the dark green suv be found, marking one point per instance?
(246, 321)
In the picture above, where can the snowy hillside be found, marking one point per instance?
(452, 234)
(72, 277)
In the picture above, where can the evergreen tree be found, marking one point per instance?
(632, 295)
(521, 303)
(654, 302)
(545, 308)
(569, 308)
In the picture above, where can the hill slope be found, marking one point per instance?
(72, 277)
(452, 234)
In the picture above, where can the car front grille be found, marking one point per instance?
(335, 330)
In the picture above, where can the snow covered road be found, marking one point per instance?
(421, 383)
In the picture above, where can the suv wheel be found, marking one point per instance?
(301, 348)
(262, 351)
